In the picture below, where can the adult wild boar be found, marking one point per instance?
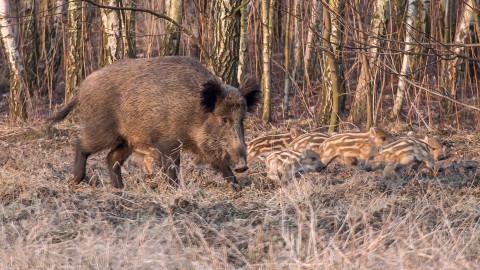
(166, 104)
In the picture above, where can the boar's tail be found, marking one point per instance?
(60, 115)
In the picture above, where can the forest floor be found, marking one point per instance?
(343, 218)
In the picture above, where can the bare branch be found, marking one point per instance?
(204, 51)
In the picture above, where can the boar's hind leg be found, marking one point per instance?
(80, 162)
(115, 159)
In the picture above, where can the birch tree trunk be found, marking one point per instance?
(17, 101)
(297, 43)
(266, 61)
(308, 45)
(461, 35)
(74, 60)
(359, 108)
(286, 89)
(243, 48)
(402, 83)
(226, 40)
(112, 36)
(171, 44)
(327, 105)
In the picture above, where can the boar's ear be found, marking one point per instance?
(211, 93)
(251, 92)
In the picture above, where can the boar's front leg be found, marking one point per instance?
(115, 159)
(229, 176)
(170, 165)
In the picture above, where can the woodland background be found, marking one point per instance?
(323, 64)
(361, 62)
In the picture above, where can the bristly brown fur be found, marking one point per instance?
(164, 103)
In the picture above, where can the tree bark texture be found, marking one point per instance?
(327, 105)
(310, 36)
(402, 83)
(243, 47)
(17, 99)
(112, 36)
(452, 66)
(75, 59)
(29, 44)
(266, 61)
(171, 44)
(128, 25)
(297, 42)
(226, 40)
(366, 81)
(336, 41)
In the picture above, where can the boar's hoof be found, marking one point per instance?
(73, 182)
(235, 186)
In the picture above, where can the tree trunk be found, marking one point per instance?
(461, 34)
(54, 41)
(17, 101)
(308, 45)
(74, 60)
(128, 25)
(266, 60)
(243, 49)
(171, 44)
(29, 44)
(476, 17)
(336, 39)
(286, 89)
(297, 42)
(327, 105)
(112, 37)
(226, 40)
(359, 108)
(402, 83)
(448, 10)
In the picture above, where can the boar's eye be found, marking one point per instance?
(314, 158)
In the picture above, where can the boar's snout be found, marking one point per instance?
(367, 167)
(241, 166)
(320, 167)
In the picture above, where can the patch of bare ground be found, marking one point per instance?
(344, 218)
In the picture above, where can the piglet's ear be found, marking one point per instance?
(211, 94)
(251, 92)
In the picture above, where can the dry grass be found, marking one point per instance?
(342, 219)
